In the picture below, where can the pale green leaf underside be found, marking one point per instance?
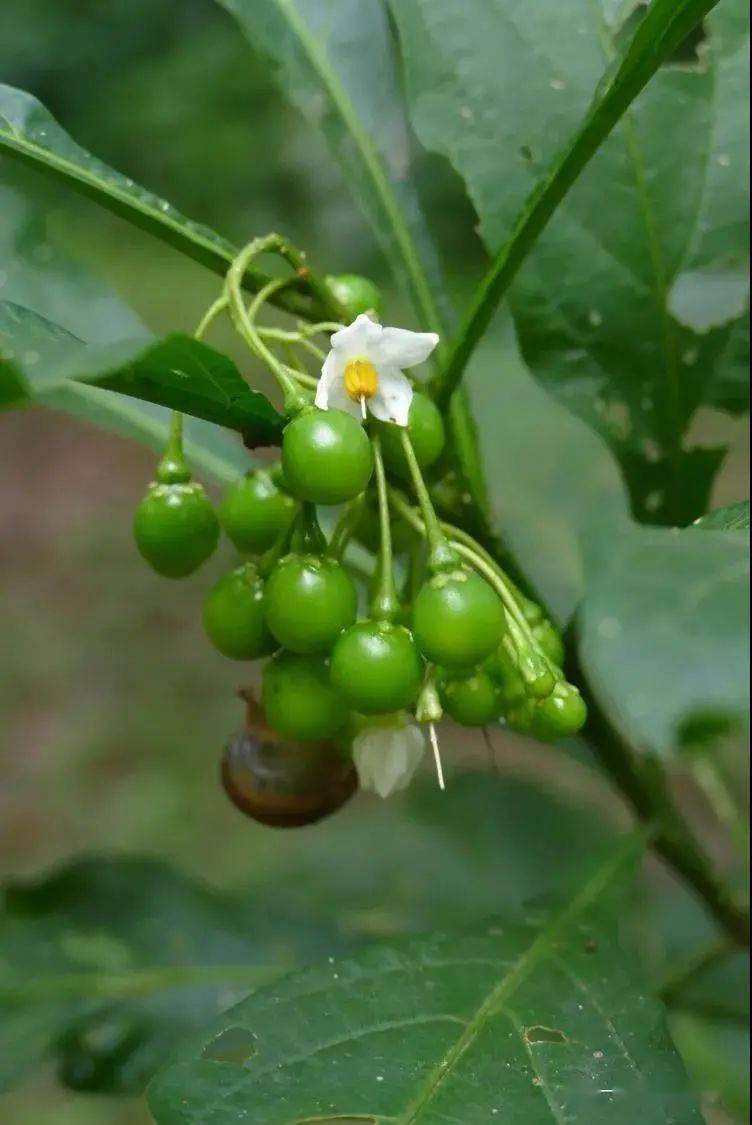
(734, 517)
(29, 133)
(534, 1021)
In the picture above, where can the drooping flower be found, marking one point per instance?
(364, 370)
(387, 754)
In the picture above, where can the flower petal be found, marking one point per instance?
(359, 338)
(332, 372)
(387, 757)
(398, 347)
(391, 403)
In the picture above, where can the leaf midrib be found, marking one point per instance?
(541, 947)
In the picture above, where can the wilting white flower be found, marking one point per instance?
(364, 369)
(387, 755)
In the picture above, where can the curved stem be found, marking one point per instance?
(210, 316)
(385, 603)
(345, 527)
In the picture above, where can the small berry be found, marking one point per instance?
(473, 700)
(309, 601)
(356, 294)
(299, 700)
(562, 715)
(426, 429)
(234, 615)
(326, 456)
(255, 513)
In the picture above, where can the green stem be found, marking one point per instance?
(385, 603)
(709, 777)
(210, 316)
(172, 468)
(345, 527)
(440, 554)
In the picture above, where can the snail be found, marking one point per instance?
(281, 782)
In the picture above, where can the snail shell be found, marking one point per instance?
(282, 783)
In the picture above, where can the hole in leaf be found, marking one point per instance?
(540, 1034)
(233, 1045)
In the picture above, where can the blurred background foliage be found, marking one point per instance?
(113, 707)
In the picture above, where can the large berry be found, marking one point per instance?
(309, 601)
(356, 294)
(458, 620)
(326, 456)
(377, 667)
(176, 528)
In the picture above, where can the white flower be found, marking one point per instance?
(387, 755)
(364, 369)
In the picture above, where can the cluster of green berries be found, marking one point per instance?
(294, 601)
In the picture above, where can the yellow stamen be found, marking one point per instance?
(361, 380)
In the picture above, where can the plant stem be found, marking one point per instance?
(345, 527)
(210, 316)
(385, 603)
(440, 554)
(709, 776)
(644, 783)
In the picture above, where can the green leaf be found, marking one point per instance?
(335, 60)
(662, 613)
(735, 517)
(541, 1018)
(626, 250)
(109, 960)
(28, 132)
(178, 372)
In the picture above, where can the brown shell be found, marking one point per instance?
(282, 783)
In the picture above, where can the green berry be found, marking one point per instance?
(472, 700)
(521, 716)
(426, 429)
(298, 698)
(377, 667)
(326, 456)
(550, 641)
(309, 601)
(234, 615)
(563, 714)
(176, 528)
(356, 294)
(457, 619)
(255, 513)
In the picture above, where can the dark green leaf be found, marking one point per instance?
(733, 518)
(627, 250)
(336, 62)
(29, 133)
(178, 372)
(110, 960)
(538, 1019)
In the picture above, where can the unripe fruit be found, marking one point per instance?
(234, 615)
(425, 427)
(550, 641)
(326, 456)
(309, 601)
(562, 715)
(298, 698)
(255, 513)
(458, 620)
(356, 294)
(377, 667)
(175, 528)
(473, 700)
